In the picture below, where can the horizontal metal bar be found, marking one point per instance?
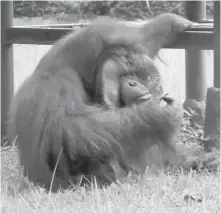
(198, 37)
(71, 25)
(203, 23)
(45, 36)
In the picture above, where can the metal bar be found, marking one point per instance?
(207, 23)
(7, 75)
(196, 84)
(47, 36)
(73, 25)
(217, 44)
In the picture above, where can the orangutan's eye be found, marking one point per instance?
(132, 83)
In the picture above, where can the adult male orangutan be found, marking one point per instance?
(93, 103)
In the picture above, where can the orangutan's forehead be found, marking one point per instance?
(130, 59)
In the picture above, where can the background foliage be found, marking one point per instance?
(85, 9)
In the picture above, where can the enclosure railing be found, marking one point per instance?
(206, 36)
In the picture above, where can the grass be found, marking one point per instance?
(156, 193)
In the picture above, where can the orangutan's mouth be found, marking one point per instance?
(145, 97)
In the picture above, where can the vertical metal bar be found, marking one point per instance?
(216, 34)
(196, 84)
(7, 75)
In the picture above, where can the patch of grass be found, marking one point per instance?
(156, 193)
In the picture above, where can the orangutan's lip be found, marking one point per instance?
(145, 96)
